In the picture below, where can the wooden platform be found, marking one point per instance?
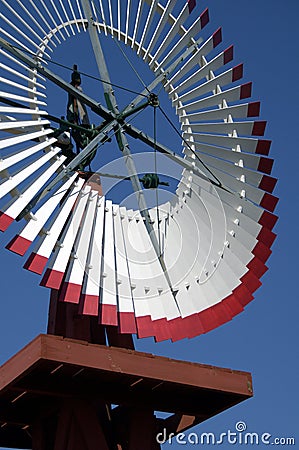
(52, 370)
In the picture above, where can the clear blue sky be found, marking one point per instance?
(264, 338)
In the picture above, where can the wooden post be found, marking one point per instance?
(142, 431)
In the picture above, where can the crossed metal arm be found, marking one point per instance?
(112, 119)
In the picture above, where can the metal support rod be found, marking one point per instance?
(121, 138)
(124, 114)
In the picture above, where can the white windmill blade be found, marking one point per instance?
(224, 79)
(197, 56)
(126, 314)
(22, 65)
(55, 271)
(34, 20)
(188, 189)
(244, 110)
(12, 96)
(147, 24)
(170, 307)
(136, 22)
(12, 210)
(22, 241)
(207, 302)
(67, 17)
(254, 212)
(248, 278)
(89, 301)
(202, 295)
(80, 14)
(97, 9)
(22, 124)
(22, 87)
(14, 110)
(135, 27)
(42, 18)
(236, 218)
(250, 145)
(255, 162)
(108, 299)
(253, 177)
(11, 126)
(241, 250)
(184, 41)
(204, 70)
(73, 17)
(20, 75)
(9, 142)
(229, 95)
(256, 195)
(147, 278)
(182, 227)
(159, 28)
(247, 225)
(246, 128)
(15, 40)
(239, 186)
(206, 222)
(128, 13)
(50, 18)
(225, 280)
(248, 247)
(18, 32)
(175, 29)
(60, 17)
(72, 284)
(41, 254)
(18, 157)
(22, 175)
(257, 222)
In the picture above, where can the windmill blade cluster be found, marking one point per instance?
(214, 238)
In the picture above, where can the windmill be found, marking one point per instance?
(172, 271)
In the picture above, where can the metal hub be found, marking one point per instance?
(153, 100)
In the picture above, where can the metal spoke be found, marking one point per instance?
(121, 138)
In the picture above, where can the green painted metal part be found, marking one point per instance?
(151, 181)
